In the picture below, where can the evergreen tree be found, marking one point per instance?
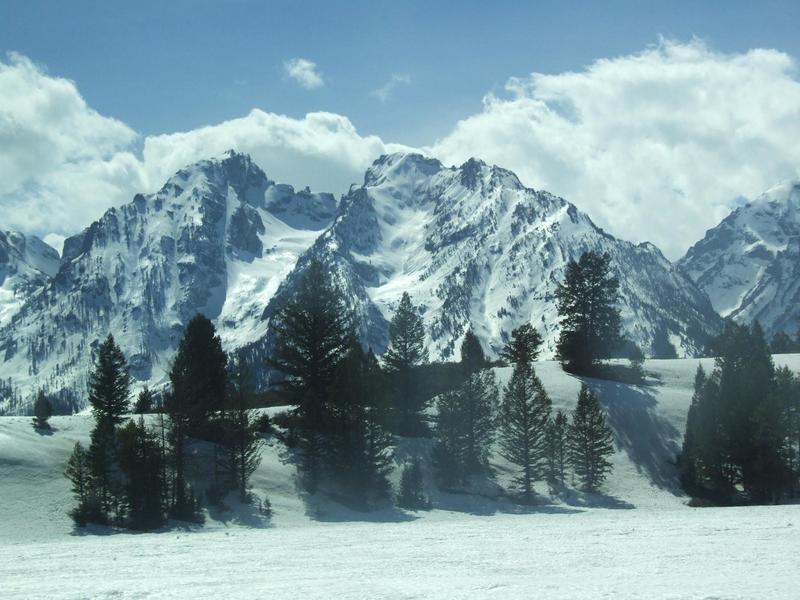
(524, 346)
(102, 460)
(589, 441)
(783, 344)
(140, 461)
(109, 392)
(590, 320)
(473, 359)
(465, 428)
(144, 402)
(406, 351)
(109, 384)
(412, 487)
(557, 431)
(359, 455)
(182, 503)
(312, 334)
(42, 411)
(198, 375)
(79, 474)
(524, 416)
(242, 445)
(694, 434)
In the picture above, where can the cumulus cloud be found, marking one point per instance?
(322, 150)
(58, 157)
(384, 92)
(304, 72)
(654, 146)
(62, 164)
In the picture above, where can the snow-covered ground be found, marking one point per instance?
(638, 540)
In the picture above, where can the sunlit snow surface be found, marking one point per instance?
(637, 540)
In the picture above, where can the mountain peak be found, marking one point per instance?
(400, 166)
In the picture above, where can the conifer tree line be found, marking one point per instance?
(349, 406)
(137, 473)
(742, 439)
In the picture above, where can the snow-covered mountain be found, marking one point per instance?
(749, 264)
(26, 265)
(218, 238)
(471, 244)
(474, 247)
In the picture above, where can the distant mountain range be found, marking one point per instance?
(473, 246)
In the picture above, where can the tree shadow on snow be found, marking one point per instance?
(650, 441)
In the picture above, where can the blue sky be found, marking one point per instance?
(631, 110)
(174, 65)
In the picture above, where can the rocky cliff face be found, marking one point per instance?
(749, 264)
(218, 238)
(26, 265)
(475, 248)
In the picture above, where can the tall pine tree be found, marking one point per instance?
(312, 333)
(359, 455)
(465, 426)
(109, 384)
(590, 320)
(557, 431)
(589, 441)
(242, 444)
(524, 416)
(198, 376)
(406, 351)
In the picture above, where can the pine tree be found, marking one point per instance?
(109, 384)
(198, 375)
(524, 416)
(557, 431)
(465, 428)
(312, 333)
(524, 346)
(359, 455)
(140, 461)
(42, 411)
(407, 351)
(144, 402)
(412, 487)
(109, 391)
(689, 459)
(242, 445)
(102, 460)
(78, 472)
(590, 321)
(472, 357)
(589, 441)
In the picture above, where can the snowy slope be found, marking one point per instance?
(749, 264)
(474, 247)
(467, 547)
(217, 239)
(26, 265)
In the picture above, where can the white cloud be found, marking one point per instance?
(304, 72)
(62, 164)
(654, 146)
(321, 150)
(384, 92)
(59, 159)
